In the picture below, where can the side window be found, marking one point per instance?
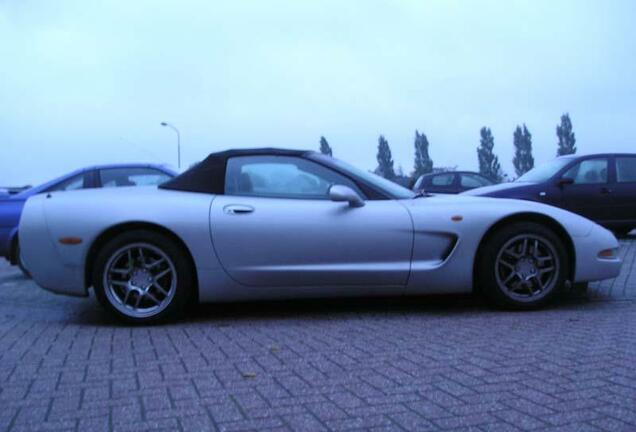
(626, 169)
(473, 181)
(589, 171)
(281, 177)
(79, 181)
(443, 179)
(116, 177)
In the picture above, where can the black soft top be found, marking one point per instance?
(208, 176)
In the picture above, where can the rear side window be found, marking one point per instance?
(443, 180)
(589, 171)
(626, 169)
(474, 181)
(116, 177)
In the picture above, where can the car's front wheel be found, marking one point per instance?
(143, 276)
(522, 266)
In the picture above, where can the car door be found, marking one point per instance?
(589, 192)
(624, 190)
(275, 226)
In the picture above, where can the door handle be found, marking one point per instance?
(237, 209)
(605, 190)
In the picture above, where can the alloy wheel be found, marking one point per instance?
(140, 280)
(527, 267)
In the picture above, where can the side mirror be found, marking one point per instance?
(345, 193)
(565, 181)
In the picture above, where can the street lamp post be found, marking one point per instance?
(166, 124)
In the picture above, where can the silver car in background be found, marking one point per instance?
(274, 224)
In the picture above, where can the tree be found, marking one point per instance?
(488, 163)
(523, 160)
(567, 140)
(400, 178)
(325, 148)
(385, 160)
(423, 162)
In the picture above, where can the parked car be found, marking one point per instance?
(105, 176)
(601, 187)
(270, 223)
(451, 182)
(12, 190)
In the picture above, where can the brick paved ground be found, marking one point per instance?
(446, 363)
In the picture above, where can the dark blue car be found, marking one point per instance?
(601, 187)
(91, 177)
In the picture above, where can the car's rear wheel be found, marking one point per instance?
(522, 266)
(143, 276)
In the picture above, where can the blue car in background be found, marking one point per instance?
(103, 176)
(601, 187)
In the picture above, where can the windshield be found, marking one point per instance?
(545, 171)
(391, 189)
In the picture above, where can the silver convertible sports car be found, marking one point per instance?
(272, 224)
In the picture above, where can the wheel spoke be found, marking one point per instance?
(162, 274)
(155, 263)
(516, 286)
(126, 297)
(160, 288)
(509, 278)
(119, 283)
(545, 270)
(120, 271)
(152, 297)
(506, 264)
(539, 281)
(512, 253)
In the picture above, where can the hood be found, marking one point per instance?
(465, 199)
(495, 189)
(491, 208)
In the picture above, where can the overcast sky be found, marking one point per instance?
(88, 82)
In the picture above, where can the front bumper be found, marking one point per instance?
(589, 266)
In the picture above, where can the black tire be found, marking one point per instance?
(491, 273)
(176, 262)
(20, 263)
